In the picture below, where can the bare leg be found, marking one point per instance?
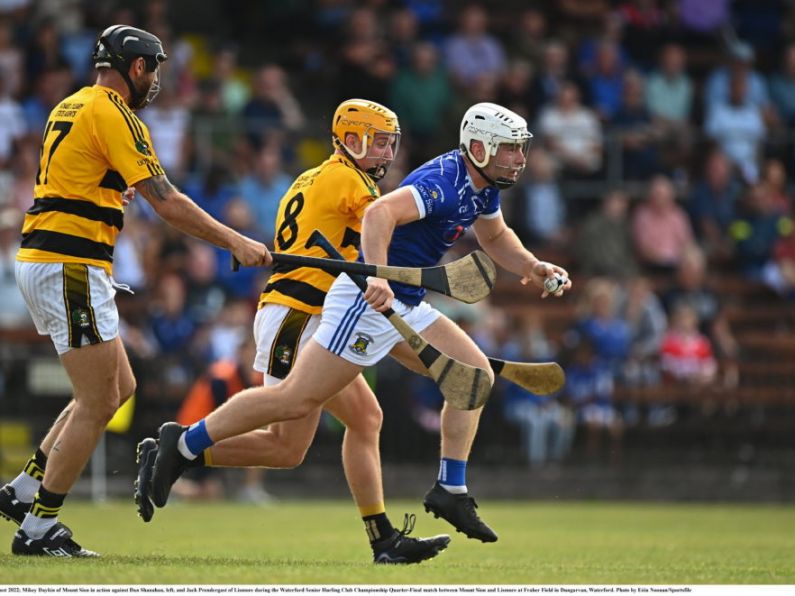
(94, 373)
(126, 389)
(318, 375)
(357, 408)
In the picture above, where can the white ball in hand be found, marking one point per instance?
(554, 283)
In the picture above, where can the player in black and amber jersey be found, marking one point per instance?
(331, 198)
(93, 148)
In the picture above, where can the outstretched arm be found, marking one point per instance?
(185, 215)
(503, 245)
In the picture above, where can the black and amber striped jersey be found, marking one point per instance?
(331, 198)
(93, 148)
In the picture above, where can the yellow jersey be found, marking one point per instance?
(331, 198)
(93, 148)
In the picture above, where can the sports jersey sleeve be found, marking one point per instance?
(492, 209)
(125, 141)
(435, 196)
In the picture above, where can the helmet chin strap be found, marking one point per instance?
(376, 172)
(137, 99)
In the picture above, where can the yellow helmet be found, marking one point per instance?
(364, 119)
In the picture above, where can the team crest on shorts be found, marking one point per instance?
(360, 345)
(80, 318)
(283, 354)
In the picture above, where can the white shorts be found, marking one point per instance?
(350, 328)
(280, 333)
(71, 302)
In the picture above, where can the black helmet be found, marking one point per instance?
(119, 45)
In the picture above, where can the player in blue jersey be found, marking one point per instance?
(412, 226)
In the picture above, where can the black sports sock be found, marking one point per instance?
(378, 527)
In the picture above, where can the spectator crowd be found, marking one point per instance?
(663, 151)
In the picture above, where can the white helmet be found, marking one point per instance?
(492, 125)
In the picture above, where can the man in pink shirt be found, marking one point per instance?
(660, 227)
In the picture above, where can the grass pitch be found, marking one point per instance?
(323, 542)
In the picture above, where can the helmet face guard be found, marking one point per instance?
(119, 46)
(375, 146)
(507, 163)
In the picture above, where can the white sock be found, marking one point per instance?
(456, 490)
(36, 527)
(25, 486)
(182, 446)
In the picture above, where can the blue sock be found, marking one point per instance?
(197, 439)
(453, 475)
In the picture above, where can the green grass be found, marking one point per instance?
(323, 542)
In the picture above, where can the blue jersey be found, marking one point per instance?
(448, 205)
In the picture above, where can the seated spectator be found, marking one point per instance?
(738, 127)
(528, 37)
(686, 355)
(660, 227)
(233, 89)
(171, 325)
(471, 51)
(589, 392)
(691, 288)
(214, 136)
(669, 89)
(606, 81)
(600, 324)
(643, 311)
(611, 29)
(669, 98)
(515, 88)
(366, 69)
(543, 207)
(272, 106)
(739, 65)
(639, 135)
(782, 87)
(604, 242)
(572, 132)
(712, 205)
(756, 230)
(774, 176)
(550, 78)
(211, 189)
(421, 94)
(403, 35)
(263, 189)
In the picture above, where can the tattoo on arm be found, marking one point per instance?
(57, 446)
(156, 187)
(64, 415)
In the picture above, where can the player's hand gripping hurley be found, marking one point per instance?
(468, 279)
